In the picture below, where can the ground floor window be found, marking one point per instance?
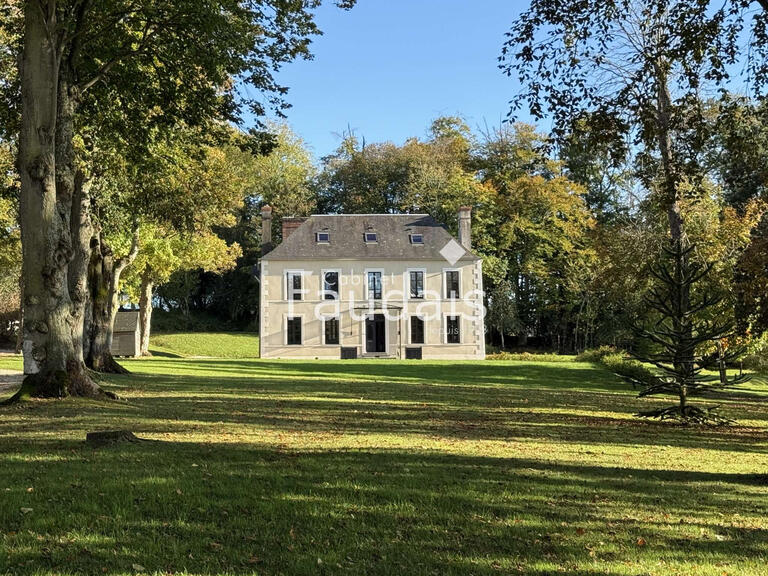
(453, 330)
(331, 330)
(417, 330)
(294, 331)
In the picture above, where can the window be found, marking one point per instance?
(371, 237)
(417, 239)
(452, 284)
(331, 285)
(293, 336)
(294, 285)
(374, 285)
(322, 237)
(417, 330)
(331, 330)
(416, 279)
(453, 330)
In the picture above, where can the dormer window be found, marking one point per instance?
(371, 237)
(417, 239)
(322, 237)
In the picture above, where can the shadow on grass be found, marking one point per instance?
(288, 504)
(235, 509)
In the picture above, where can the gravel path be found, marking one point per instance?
(9, 380)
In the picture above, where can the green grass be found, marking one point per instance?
(379, 467)
(206, 344)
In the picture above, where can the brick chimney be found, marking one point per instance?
(266, 229)
(465, 227)
(290, 224)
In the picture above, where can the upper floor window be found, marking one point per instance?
(416, 280)
(452, 290)
(322, 237)
(331, 285)
(294, 285)
(374, 285)
(417, 239)
(371, 237)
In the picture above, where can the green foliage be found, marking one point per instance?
(528, 357)
(756, 357)
(596, 355)
(618, 362)
(540, 224)
(283, 179)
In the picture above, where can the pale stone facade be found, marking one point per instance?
(375, 306)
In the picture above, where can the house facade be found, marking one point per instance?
(371, 285)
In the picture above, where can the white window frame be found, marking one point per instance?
(322, 329)
(287, 292)
(445, 329)
(407, 284)
(365, 237)
(410, 237)
(445, 283)
(317, 238)
(286, 317)
(367, 290)
(322, 284)
(410, 333)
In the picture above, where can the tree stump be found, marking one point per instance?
(111, 437)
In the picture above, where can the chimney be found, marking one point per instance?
(465, 227)
(290, 224)
(266, 229)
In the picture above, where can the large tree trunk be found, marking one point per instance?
(105, 284)
(682, 323)
(20, 333)
(46, 245)
(46, 168)
(82, 233)
(145, 310)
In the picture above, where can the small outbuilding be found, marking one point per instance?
(125, 335)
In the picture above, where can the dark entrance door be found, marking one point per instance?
(375, 334)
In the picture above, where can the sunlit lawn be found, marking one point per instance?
(202, 344)
(379, 467)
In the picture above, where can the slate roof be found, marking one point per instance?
(347, 240)
(126, 321)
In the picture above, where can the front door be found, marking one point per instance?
(375, 334)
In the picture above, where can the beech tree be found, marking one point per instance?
(73, 48)
(164, 252)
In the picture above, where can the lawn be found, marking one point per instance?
(379, 467)
(206, 344)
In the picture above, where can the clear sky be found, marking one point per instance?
(387, 68)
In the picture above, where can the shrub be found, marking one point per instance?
(617, 362)
(757, 355)
(529, 357)
(596, 355)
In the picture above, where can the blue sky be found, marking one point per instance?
(386, 68)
